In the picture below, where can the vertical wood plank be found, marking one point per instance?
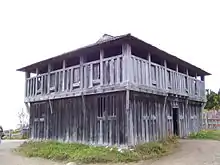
(118, 69)
(149, 70)
(27, 75)
(81, 72)
(112, 71)
(36, 83)
(91, 76)
(126, 52)
(69, 80)
(101, 67)
(63, 75)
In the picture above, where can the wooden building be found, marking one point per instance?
(117, 91)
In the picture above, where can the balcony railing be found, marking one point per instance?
(156, 76)
(111, 72)
(70, 79)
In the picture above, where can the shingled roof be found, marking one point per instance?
(107, 39)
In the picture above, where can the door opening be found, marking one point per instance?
(175, 121)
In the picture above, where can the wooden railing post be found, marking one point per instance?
(149, 69)
(63, 77)
(166, 76)
(27, 75)
(187, 81)
(203, 85)
(81, 71)
(127, 71)
(48, 79)
(177, 83)
(36, 81)
(101, 67)
(196, 86)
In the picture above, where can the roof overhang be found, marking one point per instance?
(116, 40)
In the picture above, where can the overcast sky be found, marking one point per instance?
(35, 30)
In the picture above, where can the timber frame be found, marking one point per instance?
(127, 90)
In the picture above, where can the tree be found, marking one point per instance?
(23, 118)
(213, 100)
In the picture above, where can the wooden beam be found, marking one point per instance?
(81, 61)
(63, 77)
(187, 79)
(166, 75)
(164, 118)
(149, 60)
(127, 72)
(27, 75)
(177, 78)
(36, 84)
(129, 128)
(48, 80)
(101, 67)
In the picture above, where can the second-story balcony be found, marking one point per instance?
(112, 74)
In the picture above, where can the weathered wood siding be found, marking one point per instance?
(152, 117)
(113, 74)
(94, 119)
(105, 120)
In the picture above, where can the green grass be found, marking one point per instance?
(91, 154)
(206, 134)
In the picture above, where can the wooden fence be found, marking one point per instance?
(211, 120)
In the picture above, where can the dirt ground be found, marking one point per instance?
(191, 152)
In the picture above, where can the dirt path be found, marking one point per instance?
(191, 152)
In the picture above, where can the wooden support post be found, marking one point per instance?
(164, 118)
(27, 75)
(129, 129)
(127, 72)
(177, 78)
(81, 61)
(187, 80)
(101, 67)
(166, 75)
(196, 85)
(36, 82)
(63, 77)
(91, 76)
(48, 80)
(149, 60)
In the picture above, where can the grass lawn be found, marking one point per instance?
(91, 154)
(206, 134)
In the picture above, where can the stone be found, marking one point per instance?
(71, 163)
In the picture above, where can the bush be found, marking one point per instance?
(90, 154)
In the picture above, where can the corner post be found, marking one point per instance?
(187, 81)
(129, 128)
(203, 86)
(36, 82)
(27, 75)
(101, 67)
(63, 77)
(48, 80)
(81, 61)
(127, 72)
(166, 76)
(196, 86)
(177, 78)
(149, 60)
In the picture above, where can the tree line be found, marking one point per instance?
(213, 100)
